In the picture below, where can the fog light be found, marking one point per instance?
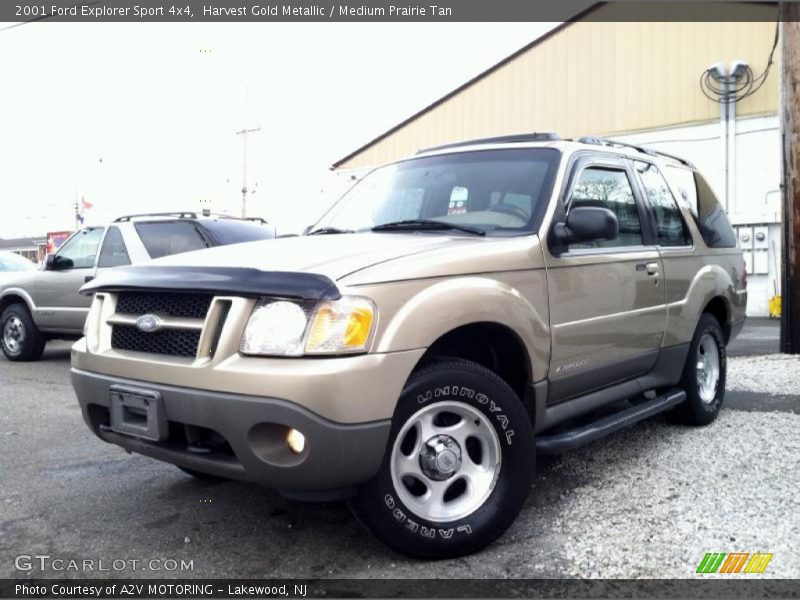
(296, 441)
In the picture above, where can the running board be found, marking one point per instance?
(574, 438)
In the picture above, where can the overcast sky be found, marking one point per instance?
(142, 117)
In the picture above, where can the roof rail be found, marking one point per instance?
(500, 139)
(601, 141)
(180, 215)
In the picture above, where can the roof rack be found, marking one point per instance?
(500, 139)
(180, 215)
(601, 141)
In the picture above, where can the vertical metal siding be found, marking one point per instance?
(597, 77)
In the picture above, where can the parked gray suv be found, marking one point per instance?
(43, 304)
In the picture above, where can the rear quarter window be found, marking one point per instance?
(706, 210)
(164, 238)
(236, 231)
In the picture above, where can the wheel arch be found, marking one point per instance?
(437, 315)
(17, 296)
(719, 308)
(492, 345)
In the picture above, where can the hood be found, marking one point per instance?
(335, 256)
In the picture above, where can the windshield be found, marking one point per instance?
(499, 192)
(13, 262)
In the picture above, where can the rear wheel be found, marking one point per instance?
(21, 339)
(704, 375)
(458, 466)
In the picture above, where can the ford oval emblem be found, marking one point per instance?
(148, 323)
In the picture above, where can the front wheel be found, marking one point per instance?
(703, 375)
(21, 339)
(458, 466)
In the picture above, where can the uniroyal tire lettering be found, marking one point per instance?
(428, 532)
(399, 515)
(389, 501)
(446, 533)
(456, 391)
(465, 528)
(412, 525)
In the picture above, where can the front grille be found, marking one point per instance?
(226, 308)
(173, 342)
(192, 306)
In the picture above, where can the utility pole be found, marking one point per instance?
(790, 137)
(244, 133)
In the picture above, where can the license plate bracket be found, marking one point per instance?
(139, 413)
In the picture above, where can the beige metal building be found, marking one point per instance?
(606, 73)
(592, 76)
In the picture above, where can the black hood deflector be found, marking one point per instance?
(233, 281)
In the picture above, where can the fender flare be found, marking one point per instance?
(22, 294)
(438, 310)
(707, 285)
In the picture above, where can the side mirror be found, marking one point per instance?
(585, 224)
(54, 262)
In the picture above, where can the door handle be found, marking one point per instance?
(651, 268)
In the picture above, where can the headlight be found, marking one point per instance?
(284, 328)
(276, 328)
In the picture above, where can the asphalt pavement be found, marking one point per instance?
(646, 502)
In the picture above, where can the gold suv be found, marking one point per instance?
(451, 316)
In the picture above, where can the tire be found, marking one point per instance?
(203, 476)
(489, 425)
(704, 391)
(20, 338)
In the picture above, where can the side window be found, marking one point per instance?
(113, 253)
(670, 228)
(163, 238)
(81, 248)
(611, 189)
(706, 210)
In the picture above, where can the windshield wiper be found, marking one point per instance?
(328, 230)
(426, 224)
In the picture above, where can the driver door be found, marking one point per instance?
(607, 300)
(59, 306)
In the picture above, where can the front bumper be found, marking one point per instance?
(337, 456)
